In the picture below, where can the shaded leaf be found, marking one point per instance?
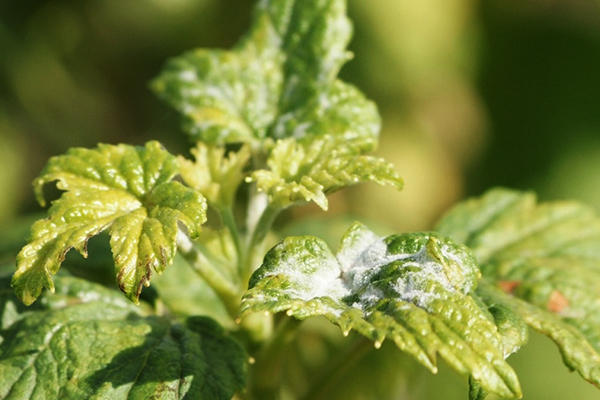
(89, 342)
(127, 190)
(301, 172)
(280, 81)
(415, 289)
(546, 254)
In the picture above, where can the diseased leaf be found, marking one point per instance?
(546, 254)
(301, 172)
(279, 82)
(88, 342)
(127, 190)
(415, 289)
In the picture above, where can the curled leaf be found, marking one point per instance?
(126, 190)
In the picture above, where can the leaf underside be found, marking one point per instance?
(278, 82)
(126, 190)
(540, 262)
(413, 289)
(87, 341)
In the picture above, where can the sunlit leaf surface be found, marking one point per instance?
(301, 172)
(280, 81)
(215, 174)
(415, 289)
(127, 190)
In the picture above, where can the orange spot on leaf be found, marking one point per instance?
(508, 286)
(557, 302)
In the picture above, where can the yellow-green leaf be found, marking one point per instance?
(126, 190)
(214, 174)
(302, 172)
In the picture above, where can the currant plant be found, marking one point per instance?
(273, 127)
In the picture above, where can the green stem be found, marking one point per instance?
(257, 238)
(229, 293)
(229, 221)
(333, 372)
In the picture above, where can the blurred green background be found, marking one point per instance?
(473, 94)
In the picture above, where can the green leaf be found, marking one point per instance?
(215, 175)
(89, 342)
(547, 255)
(577, 351)
(127, 190)
(415, 289)
(302, 172)
(278, 82)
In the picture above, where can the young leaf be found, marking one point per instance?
(215, 175)
(415, 289)
(88, 342)
(308, 171)
(279, 81)
(127, 190)
(548, 255)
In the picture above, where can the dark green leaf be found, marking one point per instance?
(127, 190)
(89, 342)
(475, 390)
(415, 289)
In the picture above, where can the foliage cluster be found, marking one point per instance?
(273, 127)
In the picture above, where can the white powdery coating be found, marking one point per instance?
(362, 239)
(188, 76)
(408, 290)
(370, 261)
(368, 298)
(312, 278)
(316, 273)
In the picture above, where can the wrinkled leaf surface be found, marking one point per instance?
(126, 190)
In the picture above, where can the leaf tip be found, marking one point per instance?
(38, 188)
